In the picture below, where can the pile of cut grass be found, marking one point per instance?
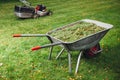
(76, 31)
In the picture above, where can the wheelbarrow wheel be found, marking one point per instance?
(93, 52)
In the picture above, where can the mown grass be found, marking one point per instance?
(19, 63)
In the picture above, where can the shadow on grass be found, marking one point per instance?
(109, 60)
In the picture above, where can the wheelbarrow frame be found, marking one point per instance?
(79, 45)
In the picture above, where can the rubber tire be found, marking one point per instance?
(88, 53)
(49, 13)
(35, 16)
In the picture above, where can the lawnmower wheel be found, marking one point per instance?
(49, 13)
(35, 16)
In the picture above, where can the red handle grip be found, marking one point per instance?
(36, 48)
(17, 35)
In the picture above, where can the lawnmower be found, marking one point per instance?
(28, 11)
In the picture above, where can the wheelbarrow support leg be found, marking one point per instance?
(51, 48)
(60, 53)
(49, 57)
(78, 62)
(69, 61)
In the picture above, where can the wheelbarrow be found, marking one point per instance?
(28, 11)
(88, 45)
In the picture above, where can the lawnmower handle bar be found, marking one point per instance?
(45, 46)
(29, 35)
(25, 3)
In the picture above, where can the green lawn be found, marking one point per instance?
(17, 62)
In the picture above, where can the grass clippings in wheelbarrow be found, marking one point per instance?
(75, 32)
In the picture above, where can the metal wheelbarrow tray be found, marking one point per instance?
(80, 44)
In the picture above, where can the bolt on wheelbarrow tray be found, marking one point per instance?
(78, 44)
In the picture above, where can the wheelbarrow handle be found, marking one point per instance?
(36, 48)
(29, 35)
(47, 45)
